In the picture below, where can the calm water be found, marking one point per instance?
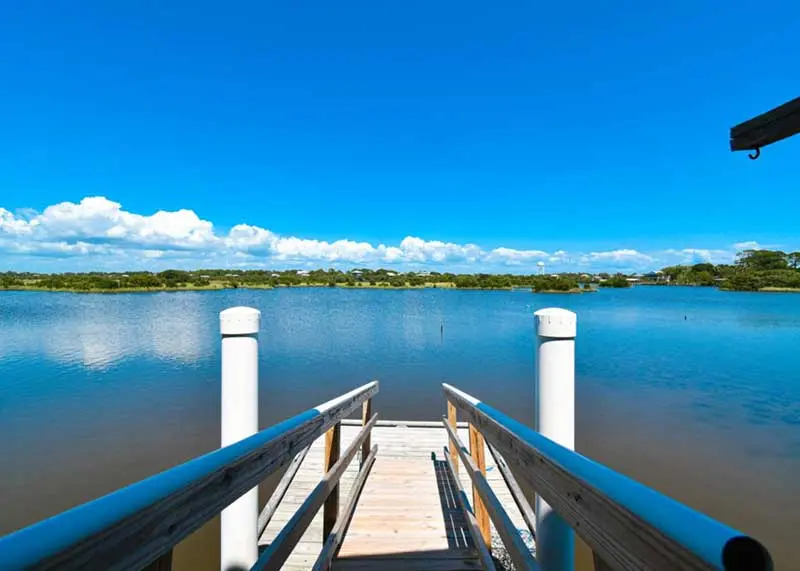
(693, 391)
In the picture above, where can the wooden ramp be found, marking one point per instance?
(407, 516)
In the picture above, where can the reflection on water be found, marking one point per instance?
(99, 335)
(690, 390)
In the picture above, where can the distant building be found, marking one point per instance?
(275, 275)
(391, 274)
(303, 272)
(656, 276)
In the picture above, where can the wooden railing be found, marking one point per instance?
(627, 525)
(327, 492)
(138, 526)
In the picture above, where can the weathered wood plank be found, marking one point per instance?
(484, 554)
(276, 554)
(383, 423)
(520, 555)
(132, 527)
(280, 491)
(625, 539)
(479, 459)
(393, 534)
(333, 442)
(334, 541)
(767, 128)
(405, 564)
(398, 513)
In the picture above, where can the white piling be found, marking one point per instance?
(239, 328)
(555, 418)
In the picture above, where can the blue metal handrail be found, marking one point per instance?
(657, 520)
(135, 525)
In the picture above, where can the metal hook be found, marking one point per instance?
(754, 157)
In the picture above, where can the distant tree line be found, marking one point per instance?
(753, 270)
(215, 278)
(616, 281)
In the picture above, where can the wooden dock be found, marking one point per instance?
(407, 517)
(368, 494)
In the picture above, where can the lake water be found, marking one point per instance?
(693, 391)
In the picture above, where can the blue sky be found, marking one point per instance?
(461, 134)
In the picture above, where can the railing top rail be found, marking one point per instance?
(587, 491)
(134, 525)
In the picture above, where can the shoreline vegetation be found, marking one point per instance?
(754, 270)
(214, 280)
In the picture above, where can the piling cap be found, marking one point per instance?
(556, 323)
(239, 321)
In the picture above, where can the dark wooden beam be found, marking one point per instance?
(767, 128)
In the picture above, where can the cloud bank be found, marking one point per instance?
(97, 234)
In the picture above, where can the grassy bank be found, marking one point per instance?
(212, 287)
(218, 286)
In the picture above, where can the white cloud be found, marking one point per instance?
(747, 245)
(624, 259)
(623, 255)
(96, 233)
(513, 257)
(98, 219)
(700, 255)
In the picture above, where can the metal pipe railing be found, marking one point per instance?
(626, 523)
(135, 525)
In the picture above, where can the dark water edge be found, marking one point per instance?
(694, 392)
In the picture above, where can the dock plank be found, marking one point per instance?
(407, 516)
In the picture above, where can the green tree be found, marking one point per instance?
(760, 260)
(703, 278)
(143, 280)
(549, 283)
(794, 260)
(705, 267)
(617, 281)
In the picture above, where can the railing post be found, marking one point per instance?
(366, 414)
(555, 418)
(452, 420)
(239, 328)
(333, 442)
(478, 456)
